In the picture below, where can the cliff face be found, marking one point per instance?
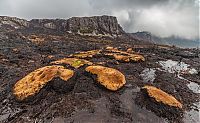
(55, 24)
(142, 36)
(96, 25)
(13, 22)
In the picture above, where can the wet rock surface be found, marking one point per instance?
(87, 101)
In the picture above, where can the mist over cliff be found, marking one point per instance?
(160, 17)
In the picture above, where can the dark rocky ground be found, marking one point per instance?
(89, 102)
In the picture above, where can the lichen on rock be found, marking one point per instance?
(123, 56)
(74, 62)
(86, 54)
(31, 84)
(110, 78)
(162, 97)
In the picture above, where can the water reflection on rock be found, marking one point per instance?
(192, 116)
(177, 67)
(148, 75)
(194, 87)
(139, 114)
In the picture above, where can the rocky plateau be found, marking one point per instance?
(100, 74)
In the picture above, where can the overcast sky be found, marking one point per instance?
(160, 17)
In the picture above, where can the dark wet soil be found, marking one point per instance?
(88, 102)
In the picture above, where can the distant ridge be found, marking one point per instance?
(95, 25)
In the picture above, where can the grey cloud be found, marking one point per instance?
(126, 3)
(45, 8)
(161, 17)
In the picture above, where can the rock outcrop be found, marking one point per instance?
(170, 40)
(147, 36)
(96, 25)
(105, 25)
(13, 22)
(55, 24)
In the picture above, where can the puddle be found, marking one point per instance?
(194, 87)
(192, 116)
(100, 113)
(181, 68)
(148, 75)
(4, 117)
(139, 114)
(8, 112)
(177, 67)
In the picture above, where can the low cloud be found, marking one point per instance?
(160, 17)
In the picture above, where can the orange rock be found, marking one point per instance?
(50, 56)
(136, 57)
(15, 49)
(129, 50)
(87, 54)
(36, 80)
(109, 48)
(163, 97)
(123, 56)
(110, 78)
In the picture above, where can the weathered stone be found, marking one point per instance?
(97, 24)
(86, 54)
(123, 56)
(110, 78)
(13, 22)
(31, 84)
(162, 97)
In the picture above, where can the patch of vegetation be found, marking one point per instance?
(76, 63)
